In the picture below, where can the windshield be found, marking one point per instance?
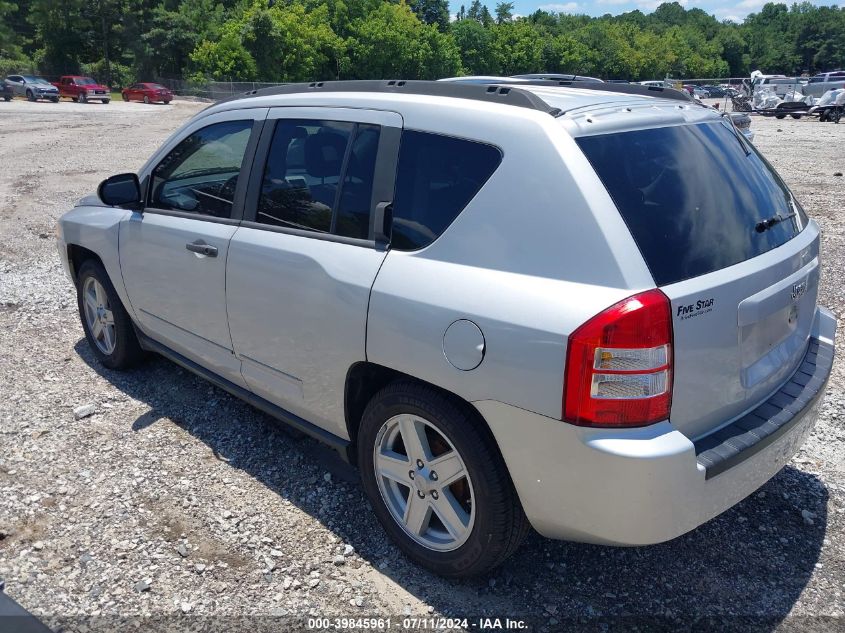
(85, 81)
(32, 79)
(696, 198)
(155, 87)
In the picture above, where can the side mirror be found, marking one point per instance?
(119, 190)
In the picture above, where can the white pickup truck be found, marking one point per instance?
(823, 82)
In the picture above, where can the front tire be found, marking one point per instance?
(30, 96)
(106, 101)
(146, 100)
(83, 98)
(107, 325)
(437, 482)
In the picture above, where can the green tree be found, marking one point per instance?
(475, 44)
(392, 42)
(517, 48)
(504, 12)
(432, 12)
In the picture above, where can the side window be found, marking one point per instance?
(201, 173)
(353, 214)
(436, 178)
(319, 177)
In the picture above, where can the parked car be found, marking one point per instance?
(32, 87)
(714, 92)
(633, 352)
(821, 83)
(147, 92)
(83, 89)
(6, 91)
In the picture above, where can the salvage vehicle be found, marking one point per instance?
(831, 106)
(820, 84)
(147, 92)
(83, 89)
(32, 87)
(591, 309)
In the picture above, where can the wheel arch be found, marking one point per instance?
(78, 255)
(365, 379)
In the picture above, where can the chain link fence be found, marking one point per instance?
(213, 90)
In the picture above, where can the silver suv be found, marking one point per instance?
(589, 309)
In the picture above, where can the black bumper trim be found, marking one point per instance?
(759, 428)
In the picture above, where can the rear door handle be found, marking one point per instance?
(202, 248)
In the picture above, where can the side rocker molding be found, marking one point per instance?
(283, 416)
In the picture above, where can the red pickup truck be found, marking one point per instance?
(82, 89)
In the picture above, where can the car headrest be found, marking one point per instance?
(324, 154)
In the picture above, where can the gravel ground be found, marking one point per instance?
(174, 498)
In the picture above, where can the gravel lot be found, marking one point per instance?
(174, 498)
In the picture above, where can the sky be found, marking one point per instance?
(735, 10)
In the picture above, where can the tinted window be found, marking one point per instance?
(353, 214)
(692, 196)
(201, 173)
(303, 172)
(315, 180)
(436, 178)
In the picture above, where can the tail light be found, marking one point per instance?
(619, 365)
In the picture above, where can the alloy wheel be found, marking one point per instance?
(424, 483)
(99, 316)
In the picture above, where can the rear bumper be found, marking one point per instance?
(652, 484)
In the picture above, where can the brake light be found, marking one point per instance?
(619, 365)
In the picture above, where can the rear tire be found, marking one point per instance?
(106, 101)
(116, 346)
(795, 116)
(125, 97)
(483, 522)
(146, 100)
(780, 116)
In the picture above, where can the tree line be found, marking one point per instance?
(122, 41)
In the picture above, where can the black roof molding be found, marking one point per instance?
(494, 92)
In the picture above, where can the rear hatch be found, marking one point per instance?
(731, 248)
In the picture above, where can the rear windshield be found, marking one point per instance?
(693, 196)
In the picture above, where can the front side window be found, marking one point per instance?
(319, 177)
(201, 173)
(436, 178)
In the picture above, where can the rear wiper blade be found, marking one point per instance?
(764, 225)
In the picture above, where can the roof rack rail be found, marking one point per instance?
(494, 92)
(631, 89)
(489, 93)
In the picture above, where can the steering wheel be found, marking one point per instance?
(227, 191)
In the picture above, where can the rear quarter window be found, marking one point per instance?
(693, 196)
(436, 178)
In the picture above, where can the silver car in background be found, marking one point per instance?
(32, 87)
(591, 309)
